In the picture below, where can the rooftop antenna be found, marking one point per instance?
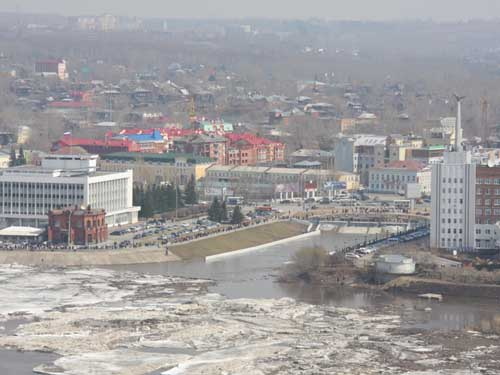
(458, 125)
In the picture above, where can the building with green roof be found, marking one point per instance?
(156, 169)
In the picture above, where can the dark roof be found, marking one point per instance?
(156, 158)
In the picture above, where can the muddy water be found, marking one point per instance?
(22, 363)
(253, 276)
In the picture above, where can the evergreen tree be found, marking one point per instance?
(180, 201)
(223, 212)
(135, 196)
(238, 216)
(190, 195)
(214, 211)
(13, 158)
(162, 201)
(147, 208)
(170, 197)
(21, 160)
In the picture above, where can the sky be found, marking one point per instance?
(439, 10)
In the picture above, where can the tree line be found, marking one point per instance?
(158, 199)
(218, 213)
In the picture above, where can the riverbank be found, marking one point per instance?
(417, 285)
(85, 258)
(223, 243)
(242, 239)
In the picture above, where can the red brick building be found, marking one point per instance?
(248, 149)
(86, 226)
(209, 145)
(487, 194)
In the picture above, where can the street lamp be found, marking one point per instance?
(69, 227)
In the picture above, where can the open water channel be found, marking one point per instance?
(253, 275)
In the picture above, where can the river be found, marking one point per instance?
(252, 275)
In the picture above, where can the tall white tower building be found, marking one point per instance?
(453, 194)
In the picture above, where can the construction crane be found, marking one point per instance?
(192, 111)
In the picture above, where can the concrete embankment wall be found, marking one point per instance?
(214, 258)
(416, 285)
(85, 258)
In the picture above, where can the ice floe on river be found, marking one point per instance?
(104, 322)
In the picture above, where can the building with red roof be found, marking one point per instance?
(249, 149)
(96, 146)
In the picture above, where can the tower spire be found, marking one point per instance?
(458, 125)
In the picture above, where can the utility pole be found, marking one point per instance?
(176, 187)
(484, 119)
(69, 227)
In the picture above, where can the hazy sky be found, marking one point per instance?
(333, 9)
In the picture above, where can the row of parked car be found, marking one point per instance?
(362, 251)
(158, 227)
(177, 231)
(358, 253)
(410, 236)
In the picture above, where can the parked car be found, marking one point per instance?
(352, 256)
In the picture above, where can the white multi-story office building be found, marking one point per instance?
(453, 202)
(27, 193)
(359, 153)
(394, 177)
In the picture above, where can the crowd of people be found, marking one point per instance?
(130, 244)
